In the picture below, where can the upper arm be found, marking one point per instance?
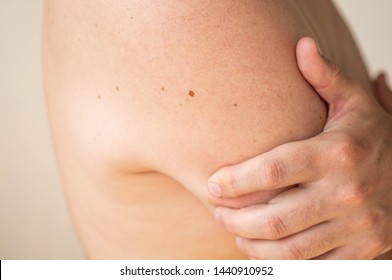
(179, 87)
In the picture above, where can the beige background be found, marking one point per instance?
(34, 223)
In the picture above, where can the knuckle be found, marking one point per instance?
(375, 243)
(370, 220)
(337, 74)
(292, 252)
(348, 152)
(276, 227)
(339, 77)
(273, 172)
(354, 194)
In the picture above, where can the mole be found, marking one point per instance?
(163, 88)
(117, 89)
(99, 97)
(235, 104)
(191, 93)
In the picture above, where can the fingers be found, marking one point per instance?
(316, 244)
(383, 93)
(285, 165)
(309, 244)
(325, 77)
(279, 219)
(345, 253)
(357, 251)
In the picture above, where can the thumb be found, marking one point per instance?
(324, 76)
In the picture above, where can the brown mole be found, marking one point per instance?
(191, 93)
(117, 89)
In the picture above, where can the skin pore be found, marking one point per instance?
(147, 100)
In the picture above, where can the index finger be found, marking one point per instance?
(285, 165)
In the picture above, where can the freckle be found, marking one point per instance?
(191, 93)
(254, 140)
(235, 104)
(162, 88)
(117, 89)
(131, 17)
(99, 97)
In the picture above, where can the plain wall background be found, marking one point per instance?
(34, 222)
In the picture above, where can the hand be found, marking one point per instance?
(342, 205)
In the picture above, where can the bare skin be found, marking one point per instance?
(147, 100)
(341, 205)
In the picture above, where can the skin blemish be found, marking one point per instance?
(117, 89)
(99, 97)
(235, 104)
(162, 88)
(191, 93)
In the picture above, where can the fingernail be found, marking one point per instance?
(218, 216)
(215, 189)
(240, 243)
